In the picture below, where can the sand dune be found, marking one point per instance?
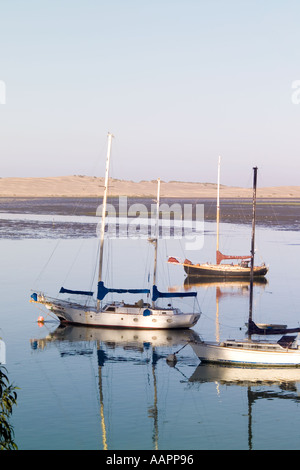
(86, 186)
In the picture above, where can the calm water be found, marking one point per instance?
(86, 388)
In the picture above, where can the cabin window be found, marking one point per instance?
(111, 309)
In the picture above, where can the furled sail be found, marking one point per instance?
(79, 292)
(220, 257)
(253, 329)
(103, 291)
(156, 294)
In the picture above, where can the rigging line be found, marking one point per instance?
(148, 266)
(95, 168)
(268, 203)
(209, 211)
(88, 299)
(221, 324)
(110, 262)
(147, 263)
(46, 312)
(162, 271)
(183, 254)
(258, 254)
(48, 261)
(75, 210)
(94, 273)
(167, 266)
(196, 301)
(74, 261)
(272, 209)
(242, 213)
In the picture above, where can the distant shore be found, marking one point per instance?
(87, 186)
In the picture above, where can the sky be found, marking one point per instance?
(178, 83)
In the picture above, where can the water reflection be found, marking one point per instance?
(58, 379)
(260, 384)
(223, 290)
(116, 346)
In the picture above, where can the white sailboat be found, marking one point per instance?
(255, 352)
(119, 314)
(225, 271)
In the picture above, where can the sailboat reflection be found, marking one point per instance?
(118, 345)
(224, 289)
(241, 286)
(285, 383)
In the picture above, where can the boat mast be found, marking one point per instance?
(252, 244)
(218, 204)
(156, 232)
(110, 136)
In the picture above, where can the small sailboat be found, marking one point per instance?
(240, 270)
(119, 314)
(255, 352)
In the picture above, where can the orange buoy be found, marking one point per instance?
(41, 320)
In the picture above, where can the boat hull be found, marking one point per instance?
(216, 353)
(224, 271)
(124, 317)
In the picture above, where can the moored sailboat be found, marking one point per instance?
(226, 271)
(255, 352)
(141, 314)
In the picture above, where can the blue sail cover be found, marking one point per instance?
(102, 291)
(80, 292)
(156, 294)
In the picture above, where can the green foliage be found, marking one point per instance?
(8, 398)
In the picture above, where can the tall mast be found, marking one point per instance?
(110, 136)
(218, 203)
(252, 242)
(156, 230)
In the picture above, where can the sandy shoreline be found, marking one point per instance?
(86, 186)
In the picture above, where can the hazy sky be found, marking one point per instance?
(178, 82)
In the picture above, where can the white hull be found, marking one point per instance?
(248, 353)
(121, 316)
